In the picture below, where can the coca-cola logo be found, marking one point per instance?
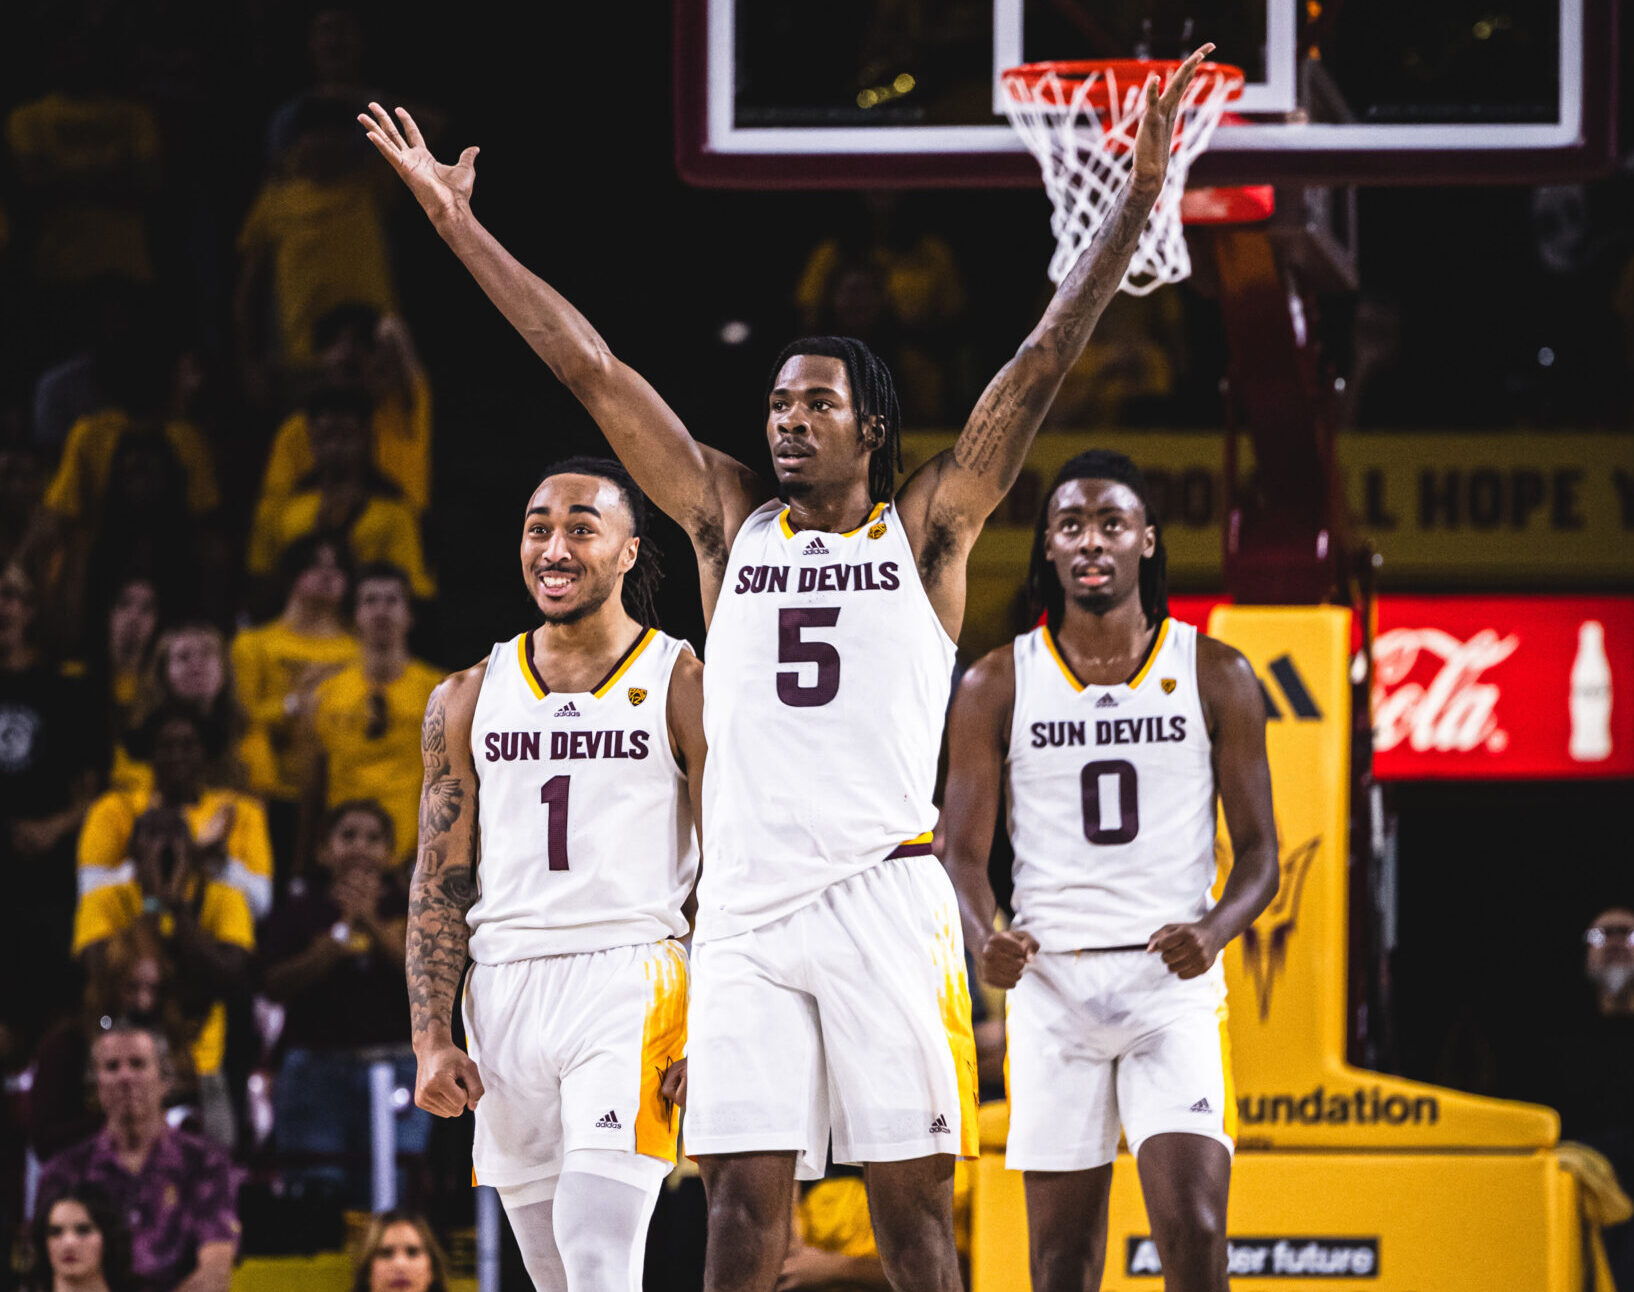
(1453, 710)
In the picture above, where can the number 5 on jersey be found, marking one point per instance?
(792, 648)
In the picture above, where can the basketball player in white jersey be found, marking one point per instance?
(557, 850)
(1112, 730)
(829, 1000)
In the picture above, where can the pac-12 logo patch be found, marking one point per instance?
(637, 694)
(877, 530)
(1168, 686)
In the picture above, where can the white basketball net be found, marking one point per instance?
(1086, 162)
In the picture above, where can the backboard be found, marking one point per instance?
(866, 93)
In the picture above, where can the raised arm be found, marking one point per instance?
(946, 502)
(978, 737)
(441, 892)
(706, 492)
(1235, 709)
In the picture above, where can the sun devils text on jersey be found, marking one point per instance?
(1111, 796)
(586, 837)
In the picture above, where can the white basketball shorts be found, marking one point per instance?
(849, 1016)
(571, 1050)
(1099, 1039)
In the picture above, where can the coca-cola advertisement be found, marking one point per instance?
(1512, 687)
(1504, 687)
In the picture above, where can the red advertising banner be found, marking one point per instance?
(1496, 688)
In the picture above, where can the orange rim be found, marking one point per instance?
(1072, 73)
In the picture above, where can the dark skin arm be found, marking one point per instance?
(978, 738)
(686, 733)
(1235, 711)
(946, 502)
(441, 892)
(703, 490)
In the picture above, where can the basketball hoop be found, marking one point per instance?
(1080, 119)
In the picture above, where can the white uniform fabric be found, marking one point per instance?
(571, 1050)
(1111, 797)
(586, 828)
(851, 1013)
(1102, 1038)
(824, 700)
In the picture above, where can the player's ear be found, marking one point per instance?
(632, 549)
(1149, 547)
(873, 432)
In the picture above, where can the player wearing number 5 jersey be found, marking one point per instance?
(1112, 730)
(829, 996)
(557, 848)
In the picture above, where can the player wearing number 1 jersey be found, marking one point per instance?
(1112, 730)
(829, 998)
(557, 848)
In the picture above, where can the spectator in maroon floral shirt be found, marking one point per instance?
(177, 1190)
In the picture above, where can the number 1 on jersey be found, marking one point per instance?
(553, 794)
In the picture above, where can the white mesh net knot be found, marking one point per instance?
(1086, 151)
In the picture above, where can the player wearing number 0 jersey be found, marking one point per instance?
(828, 981)
(557, 848)
(1112, 730)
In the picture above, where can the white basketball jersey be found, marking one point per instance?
(825, 691)
(1111, 796)
(586, 830)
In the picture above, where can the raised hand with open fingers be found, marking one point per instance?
(437, 187)
(1156, 138)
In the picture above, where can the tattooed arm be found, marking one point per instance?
(443, 888)
(946, 502)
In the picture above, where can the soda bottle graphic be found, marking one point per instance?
(1591, 696)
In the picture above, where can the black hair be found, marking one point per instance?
(302, 554)
(874, 393)
(108, 1221)
(351, 401)
(377, 570)
(212, 731)
(369, 807)
(1044, 591)
(641, 580)
(333, 324)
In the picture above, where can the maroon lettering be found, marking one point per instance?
(491, 743)
(887, 573)
(638, 744)
(792, 648)
(553, 794)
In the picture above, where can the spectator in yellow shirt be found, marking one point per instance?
(229, 827)
(355, 346)
(366, 718)
(343, 494)
(189, 667)
(277, 666)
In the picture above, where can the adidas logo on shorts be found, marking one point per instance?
(567, 711)
(1201, 1106)
(815, 547)
(1107, 701)
(609, 1121)
(940, 1126)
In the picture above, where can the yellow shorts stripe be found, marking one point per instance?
(663, 1042)
(955, 1004)
(1225, 1062)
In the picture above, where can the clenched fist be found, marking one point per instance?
(446, 1082)
(1004, 955)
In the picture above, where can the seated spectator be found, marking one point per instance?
(357, 348)
(81, 1244)
(177, 1189)
(277, 666)
(228, 826)
(116, 324)
(400, 1254)
(332, 955)
(342, 494)
(314, 238)
(48, 768)
(366, 719)
(134, 983)
(189, 668)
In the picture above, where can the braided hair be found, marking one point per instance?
(641, 580)
(874, 393)
(1045, 594)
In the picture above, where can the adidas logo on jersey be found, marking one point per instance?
(567, 711)
(940, 1126)
(815, 547)
(1107, 701)
(1201, 1106)
(609, 1121)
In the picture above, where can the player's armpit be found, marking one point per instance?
(443, 887)
(978, 731)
